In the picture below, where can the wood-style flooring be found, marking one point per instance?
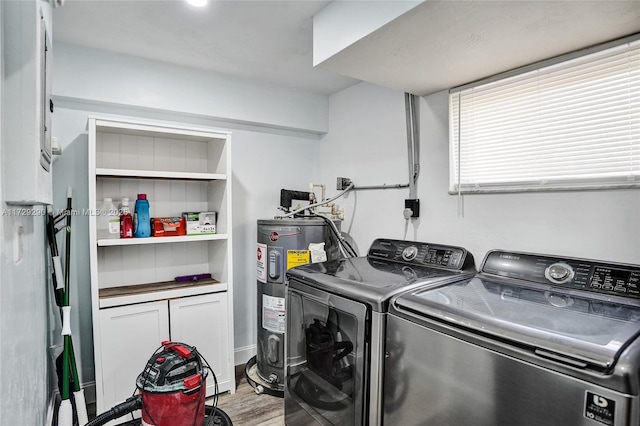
(246, 408)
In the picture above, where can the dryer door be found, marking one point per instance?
(326, 366)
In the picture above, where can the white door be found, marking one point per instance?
(201, 321)
(129, 336)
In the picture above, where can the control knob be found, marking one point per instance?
(410, 253)
(559, 273)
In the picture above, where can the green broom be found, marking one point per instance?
(69, 368)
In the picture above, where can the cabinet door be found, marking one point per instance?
(129, 336)
(202, 321)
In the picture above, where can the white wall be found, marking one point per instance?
(266, 158)
(24, 356)
(100, 76)
(25, 364)
(367, 143)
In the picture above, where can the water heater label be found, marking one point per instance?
(273, 312)
(297, 258)
(261, 268)
(600, 409)
(317, 252)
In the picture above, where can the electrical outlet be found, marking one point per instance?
(414, 206)
(342, 183)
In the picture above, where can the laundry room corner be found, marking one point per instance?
(266, 142)
(367, 143)
(320, 212)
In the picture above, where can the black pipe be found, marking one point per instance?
(131, 404)
(286, 195)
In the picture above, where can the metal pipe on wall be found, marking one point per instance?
(383, 186)
(413, 143)
(413, 151)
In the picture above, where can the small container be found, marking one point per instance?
(200, 223)
(108, 220)
(126, 220)
(168, 226)
(141, 219)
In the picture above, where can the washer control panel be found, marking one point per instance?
(422, 254)
(581, 274)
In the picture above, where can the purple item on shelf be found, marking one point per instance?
(196, 277)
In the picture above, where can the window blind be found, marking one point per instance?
(570, 125)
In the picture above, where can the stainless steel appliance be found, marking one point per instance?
(336, 323)
(282, 244)
(532, 340)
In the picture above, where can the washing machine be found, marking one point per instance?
(532, 340)
(336, 317)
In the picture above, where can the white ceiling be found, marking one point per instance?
(438, 45)
(443, 44)
(265, 41)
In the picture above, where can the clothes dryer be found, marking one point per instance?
(336, 319)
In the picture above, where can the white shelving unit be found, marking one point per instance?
(163, 240)
(136, 301)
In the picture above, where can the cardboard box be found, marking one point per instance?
(200, 223)
(168, 226)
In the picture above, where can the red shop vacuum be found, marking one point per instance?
(171, 391)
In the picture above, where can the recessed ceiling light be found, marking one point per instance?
(198, 3)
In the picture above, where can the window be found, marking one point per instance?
(573, 124)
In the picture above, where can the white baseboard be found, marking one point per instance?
(244, 354)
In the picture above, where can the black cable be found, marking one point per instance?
(215, 384)
(203, 391)
(353, 251)
(145, 375)
(347, 247)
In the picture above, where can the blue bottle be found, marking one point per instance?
(141, 221)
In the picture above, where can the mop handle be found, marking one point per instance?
(55, 256)
(67, 249)
(72, 357)
(59, 288)
(66, 328)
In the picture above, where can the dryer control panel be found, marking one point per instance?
(422, 254)
(580, 274)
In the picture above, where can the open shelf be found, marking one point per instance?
(159, 240)
(135, 300)
(139, 293)
(159, 174)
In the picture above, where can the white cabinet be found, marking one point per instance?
(203, 321)
(130, 334)
(135, 297)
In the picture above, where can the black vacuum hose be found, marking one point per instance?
(131, 404)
